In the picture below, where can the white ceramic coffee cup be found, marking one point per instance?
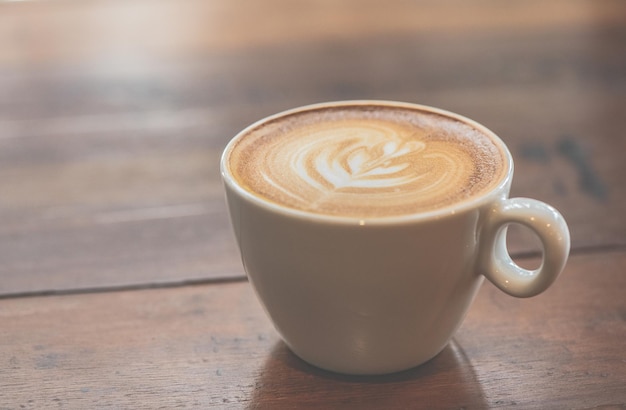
(384, 295)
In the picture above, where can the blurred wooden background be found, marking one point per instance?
(113, 115)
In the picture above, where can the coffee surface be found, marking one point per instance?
(365, 161)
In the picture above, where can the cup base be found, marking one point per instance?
(378, 367)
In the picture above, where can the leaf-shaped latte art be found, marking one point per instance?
(363, 168)
(356, 164)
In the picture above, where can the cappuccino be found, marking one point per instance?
(366, 160)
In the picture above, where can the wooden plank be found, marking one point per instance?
(212, 346)
(114, 29)
(109, 172)
(120, 213)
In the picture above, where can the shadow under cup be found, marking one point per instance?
(381, 295)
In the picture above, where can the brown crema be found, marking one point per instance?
(365, 160)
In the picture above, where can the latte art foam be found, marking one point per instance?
(364, 162)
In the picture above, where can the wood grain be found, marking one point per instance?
(74, 31)
(212, 346)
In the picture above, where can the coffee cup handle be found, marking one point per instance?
(494, 260)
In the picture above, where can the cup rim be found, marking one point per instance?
(458, 207)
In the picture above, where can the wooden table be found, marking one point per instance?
(120, 283)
